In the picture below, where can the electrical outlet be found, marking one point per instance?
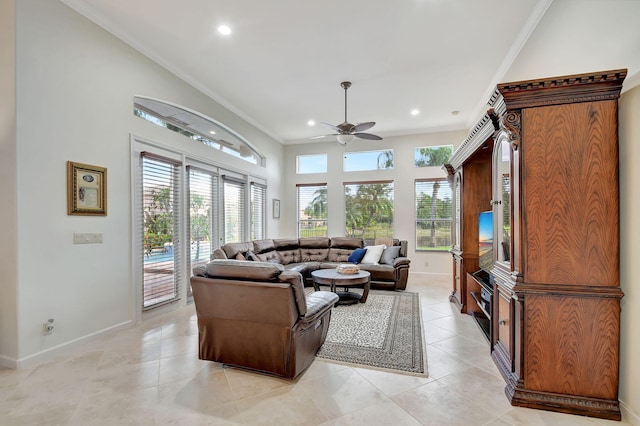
(47, 326)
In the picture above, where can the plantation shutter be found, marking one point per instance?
(234, 202)
(258, 210)
(203, 187)
(160, 232)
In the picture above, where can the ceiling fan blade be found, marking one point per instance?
(331, 126)
(363, 126)
(367, 136)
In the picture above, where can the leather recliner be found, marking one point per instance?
(256, 315)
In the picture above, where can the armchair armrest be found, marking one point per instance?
(318, 303)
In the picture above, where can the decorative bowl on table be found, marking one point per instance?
(348, 268)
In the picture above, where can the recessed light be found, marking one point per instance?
(311, 123)
(224, 30)
(415, 112)
(456, 112)
(212, 132)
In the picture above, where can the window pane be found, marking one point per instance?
(314, 163)
(433, 214)
(369, 210)
(160, 202)
(312, 210)
(432, 156)
(368, 160)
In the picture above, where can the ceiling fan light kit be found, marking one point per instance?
(346, 131)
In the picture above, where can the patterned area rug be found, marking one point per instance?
(384, 333)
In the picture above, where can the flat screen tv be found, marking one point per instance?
(485, 240)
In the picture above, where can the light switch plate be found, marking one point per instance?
(87, 238)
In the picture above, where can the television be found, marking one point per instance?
(485, 240)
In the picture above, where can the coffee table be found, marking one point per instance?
(334, 279)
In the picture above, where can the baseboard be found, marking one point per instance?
(47, 354)
(6, 362)
(628, 415)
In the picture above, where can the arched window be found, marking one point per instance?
(198, 127)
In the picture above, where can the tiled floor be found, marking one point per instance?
(150, 375)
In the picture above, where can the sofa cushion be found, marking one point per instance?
(389, 254)
(357, 255)
(232, 249)
(263, 246)
(373, 254)
(285, 244)
(297, 283)
(269, 256)
(244, 270)
(289, 256)
(314, 242)
(313, 254)
(347, 242)
(338, 254)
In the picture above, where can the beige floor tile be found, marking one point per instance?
(392, 383)
(341, 393)
(438, 404)
(384, 414)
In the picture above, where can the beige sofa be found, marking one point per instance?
(305, 255)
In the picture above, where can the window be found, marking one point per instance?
(203, 187)
(368, 160)
(196, 126)
(234, 196)
(369, 209)
(161, 229)
(313, 163)
(258, 210)
(312, 210)
(432, 156)
(433, 214)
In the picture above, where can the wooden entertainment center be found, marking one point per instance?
(544, 161)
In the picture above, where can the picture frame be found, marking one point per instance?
(86, 189)
(276, 208)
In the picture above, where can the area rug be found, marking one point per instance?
(383, 333)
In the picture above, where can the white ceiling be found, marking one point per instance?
(285, 59)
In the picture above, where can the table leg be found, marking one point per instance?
(365, 292)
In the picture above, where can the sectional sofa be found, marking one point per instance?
(305, 255)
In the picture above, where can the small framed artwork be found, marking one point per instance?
(276, 208)
(86, 189)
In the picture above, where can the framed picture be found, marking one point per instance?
(86, 189)
(276, 209)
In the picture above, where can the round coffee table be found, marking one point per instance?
(334, 279)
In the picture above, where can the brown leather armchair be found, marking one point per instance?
(256, 315)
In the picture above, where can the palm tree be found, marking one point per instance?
(433, 156)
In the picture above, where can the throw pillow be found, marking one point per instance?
(240, 256)
(389, 254)
(251, 256)
(373, 254)
(357, 255)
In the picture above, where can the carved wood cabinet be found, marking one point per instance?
(553, 189)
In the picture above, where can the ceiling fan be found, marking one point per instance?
(346, 131)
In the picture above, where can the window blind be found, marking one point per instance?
(258, 210)
(312, 210)
(160, 231)
(433, 204)
(234, 207)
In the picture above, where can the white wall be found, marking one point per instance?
(403, 174)
(75, 85)
(8, 182)
(629, 250)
